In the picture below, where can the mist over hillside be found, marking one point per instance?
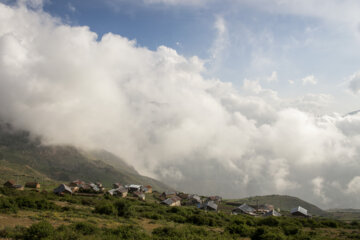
(24, 159)
(157, 111)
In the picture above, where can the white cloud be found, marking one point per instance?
(354, 83)
(309, 80)
(156, 110)
(273, 77)
(326, 10)
(353, 186)
(71, 7)
(318, 189)
(220, 43)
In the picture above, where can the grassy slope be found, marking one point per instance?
(173, 222)
(25, 156)
(285, 203)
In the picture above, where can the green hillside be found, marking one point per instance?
(22, 155)
(285, 203)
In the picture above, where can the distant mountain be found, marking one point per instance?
(22, 155)
(285, 203)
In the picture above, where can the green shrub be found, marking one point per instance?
(239, 229)
(8, 205)
(85, 228)
(265, 233)
(291, 229)
(123, 208)
(39, 230)
(329, 223)
(105, 207)
(66, 233)
(87, 202)
(269, 221)
(129, 232)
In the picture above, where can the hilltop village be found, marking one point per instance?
(169, 198)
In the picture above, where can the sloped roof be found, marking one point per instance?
(62, 188)
(117, 190)
(94, 187)
(134, 186)
(212, 205)
(272, 213)
(245, 208)
(168, 201)
(11, 182)
(300, 210)
(196, 197)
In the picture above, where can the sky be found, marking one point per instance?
(231, 97)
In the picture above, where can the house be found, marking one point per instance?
(89, 188)
(134, 188)
(94, 188)
(148, 189)
(244, 209)
(121, 192)
(300, 212)
(172, 202)
(139, 195)
(209, 205)
(194, 200)
(62, 189)
(35, 185)
(10, 184)
(100, 186)
(168, 194)
(272, 213)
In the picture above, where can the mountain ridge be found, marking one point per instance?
(64, 163)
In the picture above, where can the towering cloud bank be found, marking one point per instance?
(156, 110)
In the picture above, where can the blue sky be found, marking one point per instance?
(258, 40)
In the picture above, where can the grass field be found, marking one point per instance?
(34, 215)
